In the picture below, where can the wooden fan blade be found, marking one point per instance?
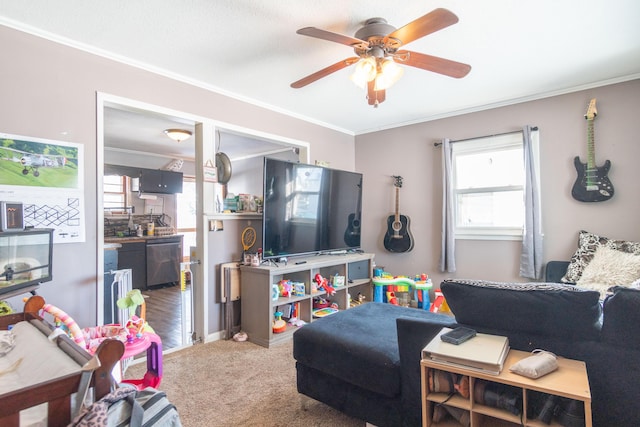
(324, 72)
(333, 37)
(430, 23)
(375, 97)
(434, 63)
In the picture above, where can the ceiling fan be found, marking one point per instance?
(377, 45)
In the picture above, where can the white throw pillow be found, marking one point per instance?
(588, 243)
(610, 267)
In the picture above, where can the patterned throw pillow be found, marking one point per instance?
(588, 243)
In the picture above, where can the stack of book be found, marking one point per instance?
(483, 353)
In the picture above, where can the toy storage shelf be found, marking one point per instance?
(568, 381)
(258, 307)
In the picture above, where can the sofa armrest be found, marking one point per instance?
(413, 336)
(555, 271)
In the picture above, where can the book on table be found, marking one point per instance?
(484, 353)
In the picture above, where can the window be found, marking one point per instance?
(186, 220)
(489, 187)
(114, 189)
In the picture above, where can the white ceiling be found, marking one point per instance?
(129, 130)
(519, 50)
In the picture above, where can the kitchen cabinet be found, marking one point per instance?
(153, 260)
(133, 255)
(160, 181)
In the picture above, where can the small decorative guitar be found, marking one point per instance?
(398, 237)
(352, 233)
(592, 183)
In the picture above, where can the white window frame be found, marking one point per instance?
(488, 144)
(122, 193)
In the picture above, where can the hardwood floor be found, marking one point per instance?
(164, 313)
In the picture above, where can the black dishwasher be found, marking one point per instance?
(163, 260)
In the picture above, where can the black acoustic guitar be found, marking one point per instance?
(592, 183)
(352, 233)
(398, 237)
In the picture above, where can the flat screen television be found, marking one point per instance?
(309, 209)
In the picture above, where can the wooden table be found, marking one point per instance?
(569, 380)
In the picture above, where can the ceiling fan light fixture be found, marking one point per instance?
(178, 135)
(376, 45)
(364, 72)
(388, 75)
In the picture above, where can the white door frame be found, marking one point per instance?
(205, 143)
(200, 325)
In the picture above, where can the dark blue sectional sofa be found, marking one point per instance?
(365, 361)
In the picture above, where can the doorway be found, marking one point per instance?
(117, 139)
(133, 138)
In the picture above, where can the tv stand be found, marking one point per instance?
(258, 308)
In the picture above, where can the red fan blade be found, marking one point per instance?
(375, 97)
(324, 72)
(430, 23)
(333, 37)
(433, 63)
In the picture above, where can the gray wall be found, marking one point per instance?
(49, 88)
(409, 152)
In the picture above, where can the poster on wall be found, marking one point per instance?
(47, 177)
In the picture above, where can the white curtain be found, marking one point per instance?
(447, 254)
(531, 256)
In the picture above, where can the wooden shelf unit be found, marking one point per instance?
(258, 308)
(569, 380)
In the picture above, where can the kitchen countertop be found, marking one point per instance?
(133, 239)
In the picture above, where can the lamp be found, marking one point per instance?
(385, 71)
(178, 135)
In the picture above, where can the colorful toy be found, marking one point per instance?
(421, 293)
(387, 287)
(62, 318)
(323, 284)
(391, 284)
(440, 303)
(5, 308)
(279, 325)
(337, 281)
(153, 346)
(136, 325)
(323, 312)
(285, 287)
(320, 302)
(391, 298)
(94, 335)
(298, 289)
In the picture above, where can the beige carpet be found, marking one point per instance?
(228, 383)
